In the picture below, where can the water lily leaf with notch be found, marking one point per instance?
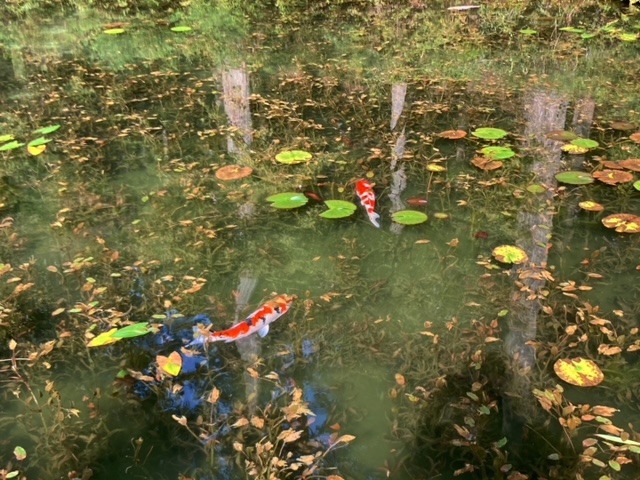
(131, 331)
(489, 133)
(338, 209)
(485, 163)
(574, 177)
(630, 164)
(622, 222)
(46, 130)
(497, 153)
(11, 146)
(510, 254)
(37, 150)
(585, 143)
(622, 126)
(573, 149)
(105, 338)
(233, 172)
(171, 365)
(579, 371)
(181, 29)
(409, 217)
(38, 141)
(287, 200)
(613, 177)
(291, 157)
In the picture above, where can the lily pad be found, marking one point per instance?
(622, 126)
(338, 209)
(181, 29)
(409, 217)
(11, 146)
(46, 130)
(628, 37)
(489, 133)
(20, 453)
(39, 141)
(536, 188)
(572, 29)
(452, 134)
(485, 163)
(434, 167)
(590, 206)
(574, 178)
(510, 254)
(636, 184)
(288, 200)
(528, 31)
(131, 331)
(613, 177)
(579, 371)
(585, 143)
(561, 135)
(105, 338)
(635, 137)
(572, 149)
(37, 150)
(497, 153)
(233, 172)
(170, 365)
(630, 164)
(114, 31)
(291, 157)
(622, 222)
(6, 138)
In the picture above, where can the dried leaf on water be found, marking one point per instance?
(579, 371)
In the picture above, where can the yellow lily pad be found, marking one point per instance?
(590, 206)
(510, 254)
(623, 222)
(105, 338)
(171, 364)
(579, 371)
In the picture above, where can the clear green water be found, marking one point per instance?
(128, 181)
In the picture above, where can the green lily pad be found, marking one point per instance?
(114, 31)
(131, 331)
(287, 200)
(572, 29)
(46, 130)
(497, 153)
(39, 141)
(20, 453)
(510, 254)
(181, 28)
(574, 178)
(6, 138)
(409, 217)
(585, 143)
(434, 167)
(489, 133)
(528, 31)
(579, 371)
(291, 157)
(105, 338)
(586, 36)
(536, 188)
(628, 37)
(338, 209)
(636, 184)
(11, 146)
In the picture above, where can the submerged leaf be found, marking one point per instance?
(114, 31)
(171, 364)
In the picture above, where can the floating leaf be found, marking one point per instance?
(105, 338)
(510, 254)
(441, 215)
(622, 222)
(20, 453)
(12, 474)
(434, 167)
(630, 164)
(39, 141)
(114, 31)
(338, 209)
(528, 31)
(586, 36)
(181, 29)
(561, 135)
(417, 202)
(635, 137)
(485, 163)
(171, 364)
(452, 134)
(628, 37)
(6, 138)
(574, 178)
(613, 177)
(11, 146)
(489, 133)
(131, 331)
(636, 184)
(579, 371)
(585, 143)
(572, 29)
(622, 126)
(36, 150)
(497, 153)
(536, 188)
(409, 217)
(287, 200)
(233, 172)
(47, 130)
(591, 206)
(293, 156)
(572, 149)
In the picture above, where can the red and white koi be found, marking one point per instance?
(258, 321)
(368, 200)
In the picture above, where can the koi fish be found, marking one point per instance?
(368, 200)
(258, 321)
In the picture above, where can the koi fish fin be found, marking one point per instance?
(374, 217)
(263, 331)
(198, 341)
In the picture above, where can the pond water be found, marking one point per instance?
(412, 351)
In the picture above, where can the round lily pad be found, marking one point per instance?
(635, 137)
(452, 134)
(510, 254)
(489, 133)
(528, 31)
(233, 172)
(181, 29)
(338, 209)
(561, 135)
(485, 163)
(434, 167)
(45, 130)
(622, 126)
(636, 184)
(39, 141)
(287, 200)
(572, 149)
(114, 31)
(574, 178)
(536, 188)
(622, 222)
(441, 215)
(630, 164)
(572, 29)
(11, 146)
(585, 143)
(579, 371)
(497, 153)
(591, 206)
(291, 157)
(409, 217)
(613, 177)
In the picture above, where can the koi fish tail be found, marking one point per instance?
(375, 218)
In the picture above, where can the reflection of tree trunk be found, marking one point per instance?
(235, 85)
(249, 347)
(398, 93)
(581, 125)
(398, 175)
(544, 112)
